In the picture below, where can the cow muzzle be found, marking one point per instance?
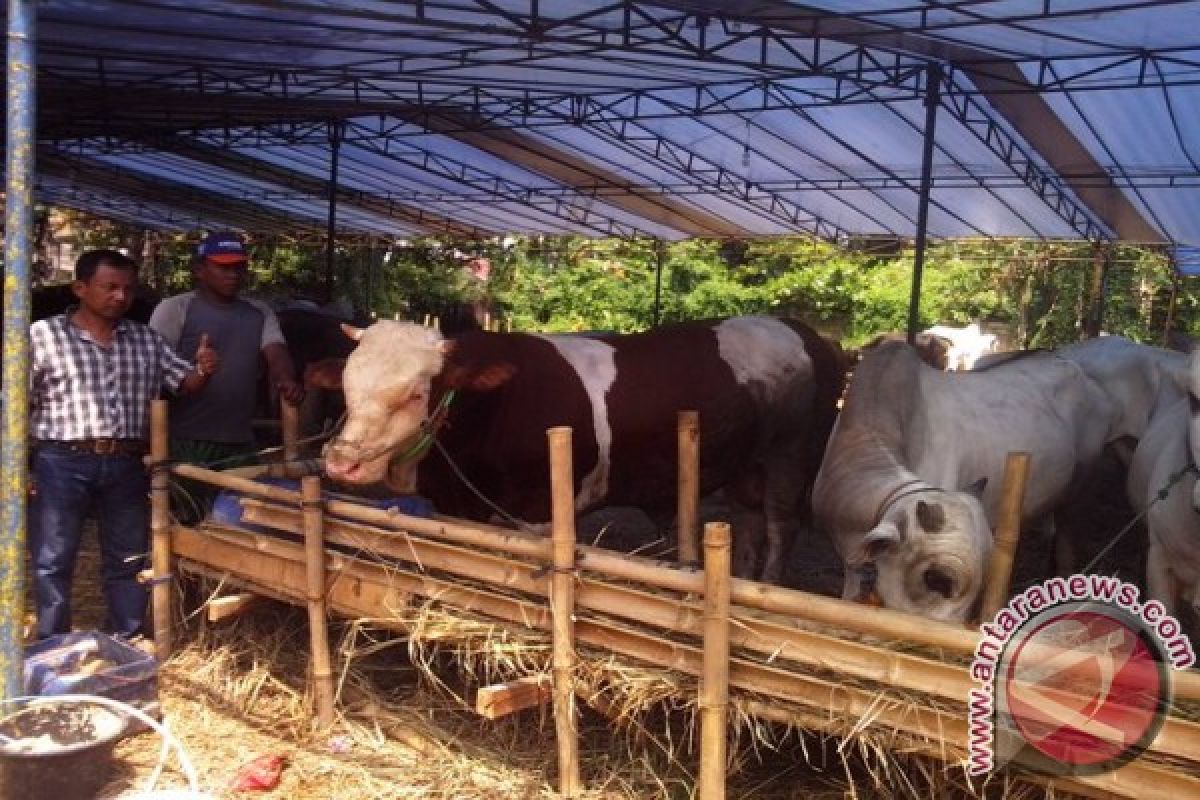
(344, 461)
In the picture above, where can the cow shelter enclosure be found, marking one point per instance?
(374, 121)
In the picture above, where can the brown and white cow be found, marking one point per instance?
(765, 389)
(912, 473)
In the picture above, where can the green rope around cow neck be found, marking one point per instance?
(429, 430)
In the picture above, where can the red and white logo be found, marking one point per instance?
(1083, 688)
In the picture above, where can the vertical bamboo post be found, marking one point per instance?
(314, 562)
(289, 427)
(160, 530)
(714, 679)
(688, 513)
(562, 607)
(1008, 531)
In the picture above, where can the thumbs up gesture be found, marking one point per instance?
(207, 359)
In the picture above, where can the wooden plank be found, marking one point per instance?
(502, 699)
(229, 606)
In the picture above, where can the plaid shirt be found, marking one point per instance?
(81, 389)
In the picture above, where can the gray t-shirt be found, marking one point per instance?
(238, 331)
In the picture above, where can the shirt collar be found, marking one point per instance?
(123, 324)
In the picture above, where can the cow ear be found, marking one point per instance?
(493, 377)
(485, 379)
(352, 332)
(876, 542)
(977, 487)
(931, 516)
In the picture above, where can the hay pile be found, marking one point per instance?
(404, 727)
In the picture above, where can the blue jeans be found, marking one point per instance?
(69, 485)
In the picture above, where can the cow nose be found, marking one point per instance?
(337, 456)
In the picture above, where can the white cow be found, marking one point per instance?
(1139, 379)
(966, 345)
(1193, 393)
(1140, 382)
(1173, 524)
(912, 474)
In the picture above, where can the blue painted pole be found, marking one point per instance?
(18, 269)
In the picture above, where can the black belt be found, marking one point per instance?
(99, 447)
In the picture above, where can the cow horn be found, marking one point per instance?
(353, 332)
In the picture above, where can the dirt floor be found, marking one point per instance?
(236, 692)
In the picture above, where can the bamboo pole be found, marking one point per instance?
(160, 530)
(714, 681)
(276, 567)
(1008, 530)
(318, 627)
(236, 483)
(289, 422)
(687, 523)
(562, 606)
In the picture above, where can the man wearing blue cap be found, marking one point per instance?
(215, 425)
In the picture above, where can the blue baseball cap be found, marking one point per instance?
(223, 248)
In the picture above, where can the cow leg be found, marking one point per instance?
(1160, 580)
(1060, 534)
(784, 481)
(852, 586)
(749, 530)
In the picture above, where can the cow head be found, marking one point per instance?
(929, 551)
(387, 381)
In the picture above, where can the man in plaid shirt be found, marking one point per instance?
(92, 379)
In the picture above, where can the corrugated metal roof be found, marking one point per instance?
(672, 119)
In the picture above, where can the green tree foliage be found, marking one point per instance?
(1041, 293)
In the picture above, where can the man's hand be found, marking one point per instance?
(291, 392)
(207, 360)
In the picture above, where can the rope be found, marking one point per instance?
(323, 435)
(429, 426)
(522, 526)
(1159, 496)
(429, 430)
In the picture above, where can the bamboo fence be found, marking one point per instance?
(788, 656)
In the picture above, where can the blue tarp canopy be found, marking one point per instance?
(680, 118)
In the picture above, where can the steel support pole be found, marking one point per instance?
(933, 97)
(18, 262)
(335, 147)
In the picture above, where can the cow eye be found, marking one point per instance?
(939, 582)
